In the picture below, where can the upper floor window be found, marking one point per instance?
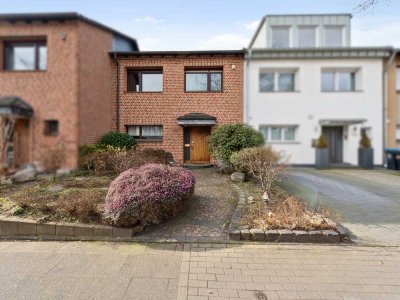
(145, 132)
(25, 56)
(280, 37)
(203, 80)
(333, 36)
(145, 81)
(307, 36)
(338, 81)
(279, 133)
(398, 79)
(277, 81)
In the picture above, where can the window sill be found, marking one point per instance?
(279, 92)
(203, 92)
(283, 142)
(50, 135)
(149, 140)
(132, 92)
(341, 92)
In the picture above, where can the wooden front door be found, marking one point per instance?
(21, 142)
(334, 137)
(198, 137)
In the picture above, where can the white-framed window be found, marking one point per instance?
(338, 80)
(398, 133)
(307, 36)
(279, 133)
(398, 79)
(277, 81)
(280, 37)
(333, 36)
(145, 132)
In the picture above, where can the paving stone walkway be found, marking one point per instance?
(94, 270)
(368, 202)
(206, 216)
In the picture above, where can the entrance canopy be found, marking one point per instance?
(341, 122)
(15, 106)
(197, 119)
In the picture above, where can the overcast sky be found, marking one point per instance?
(214, 24)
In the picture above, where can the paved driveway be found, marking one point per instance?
(368, 202)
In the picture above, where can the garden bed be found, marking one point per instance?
(72, 199)
(284, 218)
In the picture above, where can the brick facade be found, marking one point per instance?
(75, 89)
(163, 108)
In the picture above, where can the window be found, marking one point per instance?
(338, 81)
(25, 56)
(307, 37)
(282, 81)
(145, 81)
(279, 133)
(333, 36)
(146, 132)
(398, 133)
(398, 79)
(51, 127)
(280, 37)
(203, 80)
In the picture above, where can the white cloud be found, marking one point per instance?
(384, 33)
(225, 42)
(252, 25)
(148, 20)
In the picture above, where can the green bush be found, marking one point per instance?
(117, 140)
(365, 142)
(232, 138)
(88, 149)
(322, 142)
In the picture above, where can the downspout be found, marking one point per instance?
(117, 96)
(247, 86)
(386, 101)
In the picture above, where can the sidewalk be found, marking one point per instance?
(79, 270)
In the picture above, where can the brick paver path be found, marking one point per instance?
(368, 202)
(205, 217)
(94, 270)
(289, 272)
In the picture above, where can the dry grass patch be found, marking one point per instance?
(283, 211)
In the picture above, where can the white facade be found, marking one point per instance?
(294, 93)
(308, 108)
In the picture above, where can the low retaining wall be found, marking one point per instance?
(30, 229)
(280, 235)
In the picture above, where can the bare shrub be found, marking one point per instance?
(112, 161)
(53, 160)
(261, 163)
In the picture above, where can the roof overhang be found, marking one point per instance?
(341, 122)
(15, 106)
(323, 53)
(197, 119)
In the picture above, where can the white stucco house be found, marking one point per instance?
(303, 78)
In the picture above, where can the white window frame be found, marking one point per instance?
(315, 28)
(282, 138)
(276, 79)
(336, 79)
(334, 27)
(271, 31)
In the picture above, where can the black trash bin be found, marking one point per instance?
(393, 158)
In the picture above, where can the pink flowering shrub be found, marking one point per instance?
(147, 195)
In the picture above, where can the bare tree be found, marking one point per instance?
(368, 5)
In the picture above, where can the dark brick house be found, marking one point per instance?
(174, 99)
(55, 84)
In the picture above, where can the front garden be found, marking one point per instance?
(121, 186)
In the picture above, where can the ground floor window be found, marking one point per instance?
(279, 133)
(145, 132)
(51, 127)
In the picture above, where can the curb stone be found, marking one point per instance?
(280, 235)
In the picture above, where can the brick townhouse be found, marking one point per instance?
(55, 84)
(174, 99)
